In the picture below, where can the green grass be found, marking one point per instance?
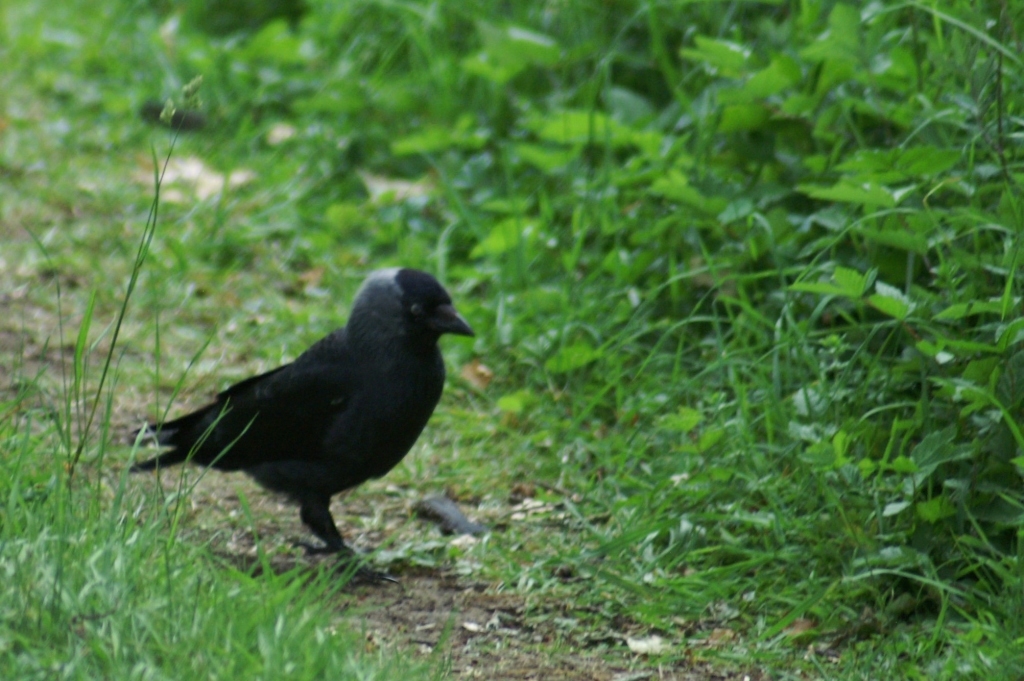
(99, 584)
(746, 275)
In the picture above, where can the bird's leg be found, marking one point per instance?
(316, 515)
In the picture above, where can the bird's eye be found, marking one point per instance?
(416, 309)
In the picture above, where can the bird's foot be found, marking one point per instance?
(350, 562)
(362, 573)
(322, 550)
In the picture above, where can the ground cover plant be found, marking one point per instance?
(746, 390)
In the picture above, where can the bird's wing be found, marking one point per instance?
(280, 415)
(242, 386)
(301, 393)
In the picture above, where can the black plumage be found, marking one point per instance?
(348, 409)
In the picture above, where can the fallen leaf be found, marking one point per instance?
(651, 645)
(472, 627)
(312, 277)
(280, 132)
(464, 541)
(236, 178)
(477, 374)
(720, 637)
(800, 626)
(530, 507)
(387, 190)
(632, 676)
(521, 491)
(191, 173)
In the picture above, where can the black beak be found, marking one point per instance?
(446, 320)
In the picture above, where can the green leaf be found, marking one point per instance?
(895, 507)
(782, 73)
(970, 309)
(505, 236)
(439, 138)
(820, 287)
(799, 104)
(903, 464)
(866, 193)
(508, 50)
(572, 357)
(720, 56)
(710, 438)
(842, 39)
(736, 210)
(546, 159)
(891, 301)
(834, 72)
(1010, 334)
(516, 205)
(979, 371)
(345, 217)
(276, 43)
(536, 48)
(840, 443)
(484, 66)
(1010, 386)
(928, 348)
(935, 449)
(896, 238)
(626, 105)
(897, 165)
(515, 403)
(576, 127)
(927, 161)
(934, 510)
(337, 99)
(740, 117)
(852, 282)
(867, 162)
(676, 187)
(683, 421)
(845, 282)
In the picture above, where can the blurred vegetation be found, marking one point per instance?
(746, 273)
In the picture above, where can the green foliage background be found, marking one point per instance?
(746, 272)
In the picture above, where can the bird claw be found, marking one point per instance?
(350, 562)
(353, 565)
(314, 550)
(365, 574)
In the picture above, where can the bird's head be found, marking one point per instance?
(405, 302)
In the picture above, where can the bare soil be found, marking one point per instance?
(471, 627)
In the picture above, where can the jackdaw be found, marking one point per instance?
(347, 410)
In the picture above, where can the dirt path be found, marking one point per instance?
(471, 627)
(489, 635)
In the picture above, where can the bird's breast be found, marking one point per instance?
(401, 405)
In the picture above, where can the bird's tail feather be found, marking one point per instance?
(175, 456)
(187, 435)
(164, 437)
(153, 434)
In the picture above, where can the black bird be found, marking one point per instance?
(347, 410)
